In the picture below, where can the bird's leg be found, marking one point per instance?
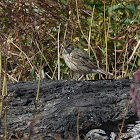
(81, 78)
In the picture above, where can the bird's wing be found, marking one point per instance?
(77, 53)
(82, 58)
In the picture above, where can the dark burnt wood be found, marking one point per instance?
(99, 104)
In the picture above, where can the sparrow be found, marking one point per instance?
(79, 61)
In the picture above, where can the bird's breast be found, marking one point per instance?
(68, 60)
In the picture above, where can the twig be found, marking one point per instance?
(124, 118)
(106, 40)
(58, 53)
(134, 52)
(79, 22)
(115, 58)
(89, 46)
(22, 52)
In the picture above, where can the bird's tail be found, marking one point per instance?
(101, 71)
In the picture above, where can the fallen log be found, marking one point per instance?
(67, 109)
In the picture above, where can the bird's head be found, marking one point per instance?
(66, 48)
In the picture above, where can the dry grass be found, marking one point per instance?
(93, 28)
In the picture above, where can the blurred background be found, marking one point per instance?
(108, 30)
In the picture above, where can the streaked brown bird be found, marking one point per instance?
(79, 61)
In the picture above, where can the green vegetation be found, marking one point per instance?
(28, 26)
